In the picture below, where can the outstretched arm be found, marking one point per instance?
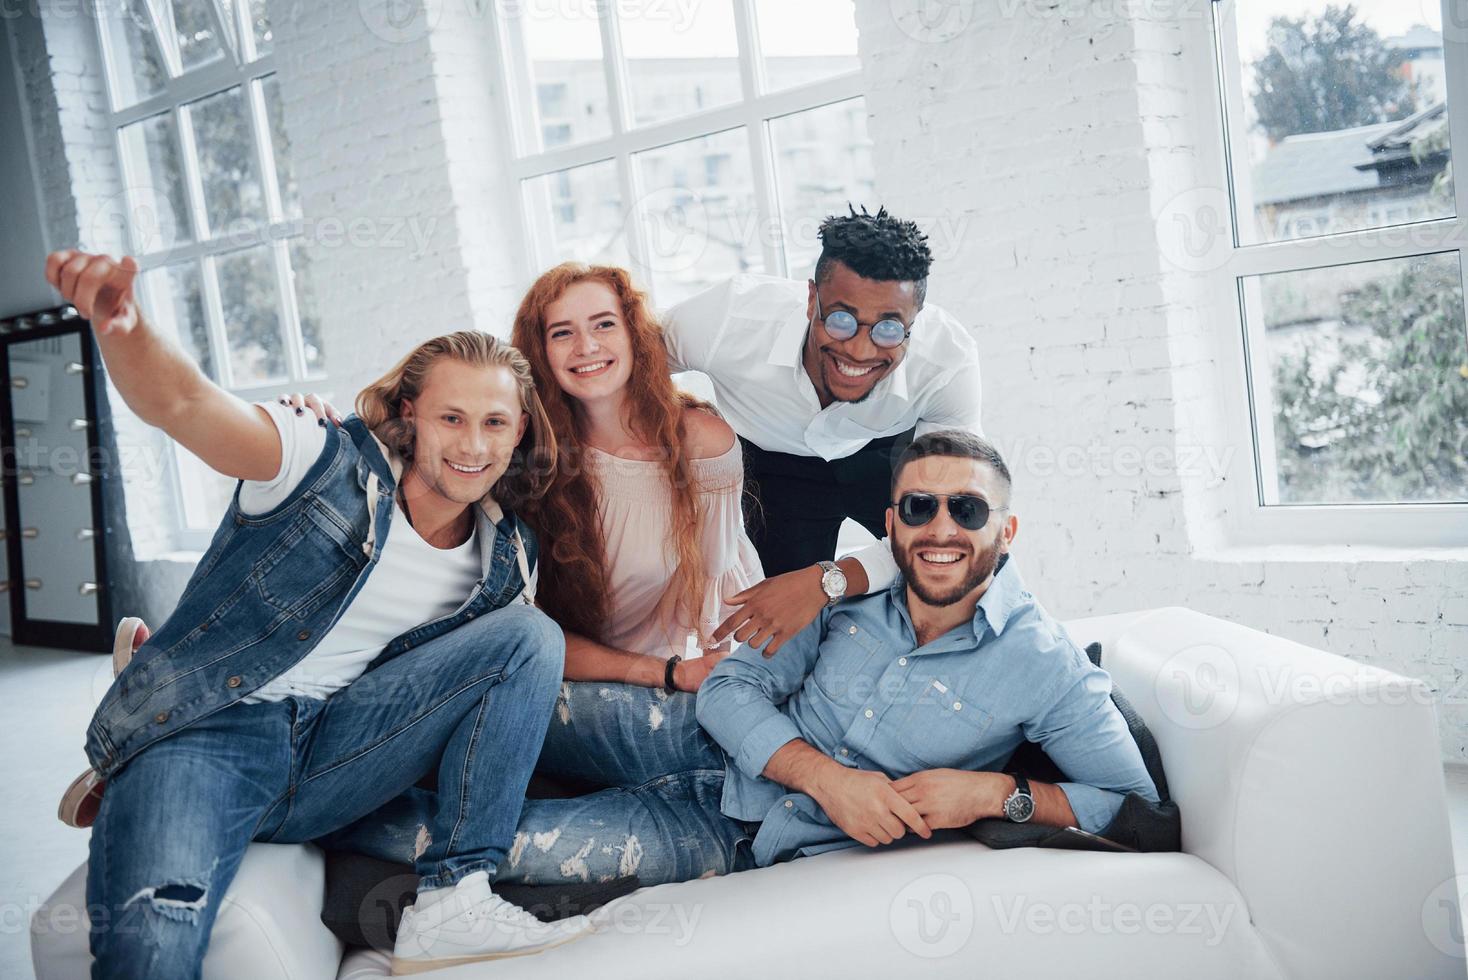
(156, 379)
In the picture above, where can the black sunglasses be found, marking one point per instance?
(968, 512)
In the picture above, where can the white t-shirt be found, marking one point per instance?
(413, 583)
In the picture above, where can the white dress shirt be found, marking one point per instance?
(747, 334)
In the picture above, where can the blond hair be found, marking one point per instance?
(380, 406)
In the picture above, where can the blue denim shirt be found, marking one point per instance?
(857, 687)
(270, 587)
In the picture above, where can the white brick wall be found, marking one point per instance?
(1058, 131)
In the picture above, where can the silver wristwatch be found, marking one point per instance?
(833, 582)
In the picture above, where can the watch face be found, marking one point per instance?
(834, 582)
(1020, 808)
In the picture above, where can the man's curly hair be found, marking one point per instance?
(875, 246)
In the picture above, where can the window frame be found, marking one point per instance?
(1249, 518)
(755, 109)
(244, 67)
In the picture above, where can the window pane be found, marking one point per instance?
(198, 40)
(306, 306)
(806, 41)
(251, 315)
(232, 197)
(260, 24)
(1343, 118)
(290, 199)
(823, 161)
(578, 214)
(681, 58)
(176, 306)
(562, 48)
(137, 65)
(697, 214)
(1368, 365)
(158, 211)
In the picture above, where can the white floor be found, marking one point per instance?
(47, 696)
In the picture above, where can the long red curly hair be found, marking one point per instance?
(573, 584)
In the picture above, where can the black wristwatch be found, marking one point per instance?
(668, 684)
(1019, 806)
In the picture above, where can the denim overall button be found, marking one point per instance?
(304, 635)
(233, 681)
(161, 717)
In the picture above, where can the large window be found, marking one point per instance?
(688, 141)
(1347, 240)
(210, 208)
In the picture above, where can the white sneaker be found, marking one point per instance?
(472, 924)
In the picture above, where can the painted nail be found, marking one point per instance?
(321, 422)
(300, 411)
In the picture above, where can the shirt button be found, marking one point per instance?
(844, 752)
(304, 635)
(161, 717)
(234, 681)
(789, 804)
(852, 631)
(958, 706)
(902, 661)
(868, 712)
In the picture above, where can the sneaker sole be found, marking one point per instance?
(79, 804)
(122, 643)
(403, 968)
(81, 801)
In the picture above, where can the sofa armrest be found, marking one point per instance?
(1313, 782)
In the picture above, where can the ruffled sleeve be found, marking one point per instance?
(730, 559)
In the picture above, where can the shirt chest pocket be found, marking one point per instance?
(942, 730)
(314, 556)
(844, 661)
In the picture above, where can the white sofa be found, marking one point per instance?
(1316, 843)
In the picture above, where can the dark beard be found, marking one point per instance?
(983, 566)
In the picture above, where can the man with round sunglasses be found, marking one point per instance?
(826, 383)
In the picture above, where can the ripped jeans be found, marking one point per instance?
(658, 818)
(175, 821)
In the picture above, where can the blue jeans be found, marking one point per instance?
(175, 821)
(658, 818)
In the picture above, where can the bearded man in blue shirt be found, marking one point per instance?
(890, 714)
